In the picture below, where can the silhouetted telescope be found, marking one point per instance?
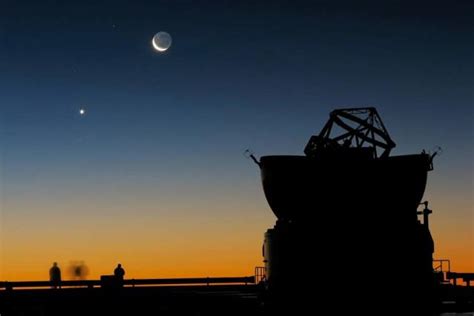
(353, 164)
(354, 207)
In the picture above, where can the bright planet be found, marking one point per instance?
(161, 41)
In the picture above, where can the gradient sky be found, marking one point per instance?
(154, 175)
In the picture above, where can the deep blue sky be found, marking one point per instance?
(238, 75)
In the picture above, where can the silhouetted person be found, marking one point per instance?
(119, 272)
(78, 270)
(55, 275)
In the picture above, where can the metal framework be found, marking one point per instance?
(357, 127)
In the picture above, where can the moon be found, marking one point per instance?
(82, 111)
(161, 41)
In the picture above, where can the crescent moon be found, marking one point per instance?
(156, 46)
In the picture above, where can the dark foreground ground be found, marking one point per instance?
(163, 300)
(167, 300)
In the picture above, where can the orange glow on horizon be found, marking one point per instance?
(167, 244)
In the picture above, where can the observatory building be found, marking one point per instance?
(348, 236)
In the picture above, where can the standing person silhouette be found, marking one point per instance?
(119, 272)
(55, 276)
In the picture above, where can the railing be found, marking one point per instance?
(130, 282)
(260, 274)
(440, 265)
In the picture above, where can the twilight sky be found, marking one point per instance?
(154, 175)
